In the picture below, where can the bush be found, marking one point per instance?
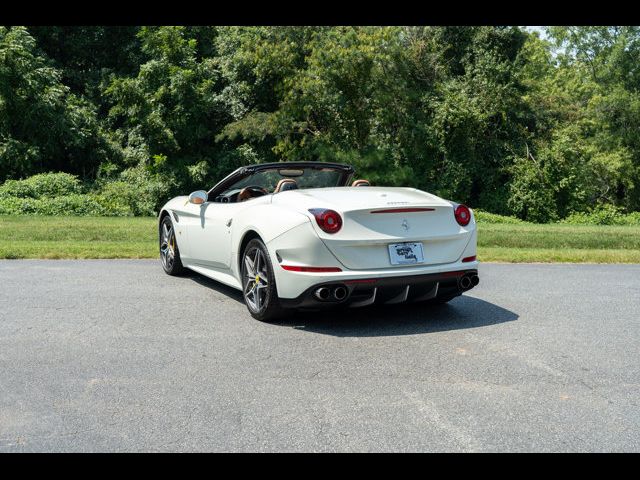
(141, 192)
(76, 204)
(56, 194)
(41, 186)
(603, 215)
(486, 217)
(133, 192)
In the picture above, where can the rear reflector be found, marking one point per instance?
(403, 210)
(296, 268)
(469, 259)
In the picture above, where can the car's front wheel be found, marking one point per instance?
(169, 253)
(258, 282)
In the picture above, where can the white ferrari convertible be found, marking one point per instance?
(303, 235)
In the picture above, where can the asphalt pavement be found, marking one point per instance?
(114, 355)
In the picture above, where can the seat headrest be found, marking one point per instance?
(244, 194)
(361, 183)
(286, 184)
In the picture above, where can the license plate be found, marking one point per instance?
(405, 253)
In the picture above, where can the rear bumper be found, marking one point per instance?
(384, 290)
(301, 246)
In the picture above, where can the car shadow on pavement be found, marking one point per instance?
(410, 319)
(221, 288)
(380, 321)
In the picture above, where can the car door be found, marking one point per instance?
(209, 233)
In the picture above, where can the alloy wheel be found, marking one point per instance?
(256, 280)
(167, 246)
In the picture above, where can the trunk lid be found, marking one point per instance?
(375, 217)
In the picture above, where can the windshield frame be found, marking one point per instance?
(244, 172)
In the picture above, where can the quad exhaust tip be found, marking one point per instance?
(469, 281)
(322, 293)
(339, 293)
(465, 283)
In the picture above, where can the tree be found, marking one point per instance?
(43, 126)
(167, 117)
(87, 56)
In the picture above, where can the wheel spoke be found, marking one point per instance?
(259, 297)
(249, 266)
(256, 261)
(251, 296)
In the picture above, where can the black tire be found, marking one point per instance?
(259, 287)
(169, 253)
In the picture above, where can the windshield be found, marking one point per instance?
(304, 178)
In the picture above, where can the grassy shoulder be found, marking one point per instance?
(525, 242)
(136, 237)
(28, 236)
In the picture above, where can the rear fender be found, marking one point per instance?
(268, 221)
(298, 246)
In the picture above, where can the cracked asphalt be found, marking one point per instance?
(115, 355)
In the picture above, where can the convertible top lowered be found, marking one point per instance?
(295, 234)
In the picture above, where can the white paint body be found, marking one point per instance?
(210, 236)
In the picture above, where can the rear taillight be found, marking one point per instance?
(328, 220)
(463, 215)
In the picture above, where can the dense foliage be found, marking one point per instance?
(496, 117)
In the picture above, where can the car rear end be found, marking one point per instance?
(376, 245)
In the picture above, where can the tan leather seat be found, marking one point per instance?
(245, 194)
(286, 184)
(361, 183)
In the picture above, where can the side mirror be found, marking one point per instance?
(198, 197)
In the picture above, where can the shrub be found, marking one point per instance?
(41, 186)
(75, 204)
(486, 217)
(603, 215)
(137, 189)
(134, 192)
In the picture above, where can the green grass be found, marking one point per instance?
(77, 237)
(136, 237)
(558, 236)
(528, 242)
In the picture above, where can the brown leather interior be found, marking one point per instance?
(245, 194)
(286, 184)
(361, 183)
